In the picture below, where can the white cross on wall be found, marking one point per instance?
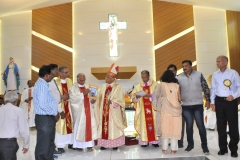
(112, 26)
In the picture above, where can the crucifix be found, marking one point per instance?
(112, 26)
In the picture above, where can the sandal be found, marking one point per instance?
(173, 152)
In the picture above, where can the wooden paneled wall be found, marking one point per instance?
(233, 29)
(54, 22)
(170, 19)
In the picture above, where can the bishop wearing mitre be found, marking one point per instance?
(110, 112)
(85, 127)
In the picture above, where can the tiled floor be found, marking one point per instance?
(134, 152)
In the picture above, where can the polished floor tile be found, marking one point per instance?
(135, 152)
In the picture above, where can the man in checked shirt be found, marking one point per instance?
(191, 85)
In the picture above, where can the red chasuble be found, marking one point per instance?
(66, 109)
(149, 116)
(105, 120)
(88, 130)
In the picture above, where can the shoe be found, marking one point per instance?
(234, 154)
(173, 152)
(155, 145)
(70, 146)
(205, 150)
(61, 150)
(55, 157)
(103, 148)
(115, 148)
(189, 148)
(57, 153)
(144, 145)
(180, 146)
(211, 129)
(222, 152)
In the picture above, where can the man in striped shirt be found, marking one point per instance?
(45, 107)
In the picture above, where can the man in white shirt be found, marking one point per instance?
(224, 93)
(27, 103)
(13, 125)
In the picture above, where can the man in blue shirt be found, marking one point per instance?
(45, 107)
(224, 94)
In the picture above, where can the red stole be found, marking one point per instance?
(66, 109)
(105, 117)
(148, 116)
(29, 102)
(88, 127)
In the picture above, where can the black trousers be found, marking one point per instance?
(45, 126)
(180, 142)
(227, 111)
(8, 149)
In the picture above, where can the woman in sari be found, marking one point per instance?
(169, 111)
(11, 76)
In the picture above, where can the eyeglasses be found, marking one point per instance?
(65, 72)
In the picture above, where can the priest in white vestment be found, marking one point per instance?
(64, 127)
(27, 104)
(85, 127)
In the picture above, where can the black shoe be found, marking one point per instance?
(234, 154)
(205, 150)
(55, 157)
(61, 150)
(70, 146)
(211, 129)
(144, 145)
(222, 152)
(180, 146)
(115, 148)
(155, 145)
(57, 153)
(103, 148)
(189, 148)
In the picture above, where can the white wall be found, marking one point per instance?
(16, 43)
(210, 38)
(1, 82)
(91, 44)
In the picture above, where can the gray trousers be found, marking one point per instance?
(8, 149)
(45, 126)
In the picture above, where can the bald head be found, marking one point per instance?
(222, 62)
(225, 58)
(81, 78)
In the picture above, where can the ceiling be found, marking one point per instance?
(8, 7)
(233, 5)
